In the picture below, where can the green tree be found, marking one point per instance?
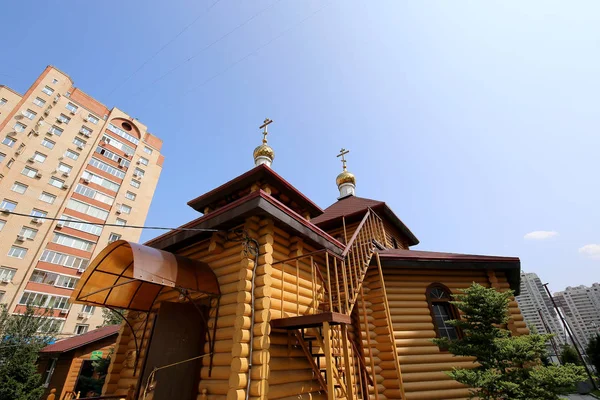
(110, 317)
(568, 355)
(21, 339)
(508, 367)
(593, 352)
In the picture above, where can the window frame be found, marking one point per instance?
(454, 314)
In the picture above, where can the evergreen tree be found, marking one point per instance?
(21, 339)
(593, 352)
(508, 367)
(569, 355)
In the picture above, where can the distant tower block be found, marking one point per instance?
(346, 182)
(264, 154)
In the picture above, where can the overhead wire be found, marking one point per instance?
(175, 68)
(181, 32)
(230, 66)
(112, 225)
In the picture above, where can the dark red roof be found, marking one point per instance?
(402, 254)
(81, 340)
(259, 173)
(351, 206)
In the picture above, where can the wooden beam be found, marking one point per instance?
(349, 374)
(328, 361)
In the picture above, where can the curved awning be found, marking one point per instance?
(130, 276)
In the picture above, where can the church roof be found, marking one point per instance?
(351, 206)
(81, 340)
(434, 260)
(260, 173)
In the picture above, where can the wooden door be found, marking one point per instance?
(179, 334)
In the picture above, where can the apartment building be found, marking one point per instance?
(581, 308)
(538, 311)
(65, 155)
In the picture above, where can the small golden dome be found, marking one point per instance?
(345, 177)
(264, 150)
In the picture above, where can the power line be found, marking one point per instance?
(164, 46)
(230, 66)
(169, 72)
(112, 225)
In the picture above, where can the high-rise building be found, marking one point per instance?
(538, 310)
(581, 308)
(65, 155)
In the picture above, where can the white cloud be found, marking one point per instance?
(540, 235)
(591, 250)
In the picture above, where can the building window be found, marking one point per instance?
(39, 157)
(19, 188)
(48, 90)
(28, 232)
(19, 127)
(65, 260)
(79, 142)
(122, 133)
(81, 329)
(8, 205)
(94, 162)
(71, 107)
(64, 168)
(82, 226)
(2, 157)
(52, 278)
(47, 198)
(48, 143)
(93, 119)
(125, 209)
(87, 309)
(63, 118)
(10, 142)
(2, 292)
(85, 130)
(87, 209)
(35, 213)
(442, 311)
(113, 237)
(30, 172)
(55, 80)
(7, 274)
(144, 161)
(147, 150)
(2, 223)
(72, 155)
(130, 196)
(29, 114)
(3, 101)
(39, 102)
(54, 130)
(56, 182)
(49, 371)
(139, 173)
(121, 222)
(94, 194)
(98, 180)
(71, 241)
(17, 252)
(135, 184)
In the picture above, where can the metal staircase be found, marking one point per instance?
(326, 287)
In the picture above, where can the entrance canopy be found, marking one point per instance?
(130, 276)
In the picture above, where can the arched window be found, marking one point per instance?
(439, 297)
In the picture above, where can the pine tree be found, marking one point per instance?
(593, 352)
(508, 367)
(21, 339)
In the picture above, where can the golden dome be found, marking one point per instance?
(345, 177)
(264, 150)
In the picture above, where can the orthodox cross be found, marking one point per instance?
(264, 126)
(342, 153)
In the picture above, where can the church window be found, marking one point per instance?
(439, 298)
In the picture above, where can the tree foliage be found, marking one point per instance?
(593, 352)
(508, 367)
(110, 317)
(568, 355)
(21, 339)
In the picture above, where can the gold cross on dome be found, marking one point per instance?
(264, 126)
(343, 152)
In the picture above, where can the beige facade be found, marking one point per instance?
(65, 155)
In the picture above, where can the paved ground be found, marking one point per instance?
(580, 397)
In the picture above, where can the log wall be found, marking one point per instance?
(422, 363)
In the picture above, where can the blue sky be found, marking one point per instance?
(476, 121)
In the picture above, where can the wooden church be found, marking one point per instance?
(268, 296)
